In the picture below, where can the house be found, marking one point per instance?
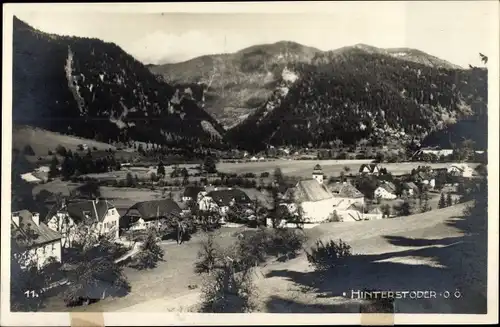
(314, 197)
(425, 152)
(254, 159)
(42, 169)
(374, 214)
(410, 188)
(386, 191)
(349, 202)
(262, 159)
(83, 147)
(145, 214)
(346, 194)
(33, 241)
(370, 169)
(460, 169)
(67, 219)
(352, 212)
(221, 200)
(425, 177)
(191, 193)
(30, 178)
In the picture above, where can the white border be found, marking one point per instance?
(153, 319)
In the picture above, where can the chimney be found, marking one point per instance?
(36, 218)
(15, 218)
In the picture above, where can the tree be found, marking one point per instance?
(449, 201)
(89, 190)
(404, 209)
(442, 201)
(96, 276)
(68, 166)
(129, 180)
(278, 176)
(386, 210)
(140, 149)
(150, 252)
(209, 165)
(228, 291)
(424, 204)
(60, 150)
(54, 171)
(208, 256)
(28, 150)
(366, 185)
(161, 170)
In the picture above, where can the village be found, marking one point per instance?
(128, 203)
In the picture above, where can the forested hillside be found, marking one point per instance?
(93, 89)
(356, 94)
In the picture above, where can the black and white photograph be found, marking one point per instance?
(250, 158)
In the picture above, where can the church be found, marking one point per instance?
(316, 200)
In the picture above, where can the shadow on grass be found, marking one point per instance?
(440, 265)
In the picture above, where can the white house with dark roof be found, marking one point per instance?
(68, 217)
(33, 241)
(146, 214)
(369, 169)
(346, 194)
(221, 200)
(460, 169)
(386, 191)
(191, 193)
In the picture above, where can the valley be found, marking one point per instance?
(273, 179)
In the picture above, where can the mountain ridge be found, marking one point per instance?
(246, 78)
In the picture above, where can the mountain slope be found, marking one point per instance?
(93, 89)
(357, 93)
(235, 84)
(240, 82)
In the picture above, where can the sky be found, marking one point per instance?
(454, 31)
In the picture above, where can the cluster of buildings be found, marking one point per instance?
(43, 237)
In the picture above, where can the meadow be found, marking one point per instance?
(304, 168)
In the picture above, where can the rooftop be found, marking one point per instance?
(28, 234)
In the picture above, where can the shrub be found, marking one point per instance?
(208, 256)
(254, 247)
(327, 256)
(333, 218)
(150, 253)
(60, 150)
(265, 174)
(227, 291)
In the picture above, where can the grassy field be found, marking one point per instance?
(304, 168)
(42, 141)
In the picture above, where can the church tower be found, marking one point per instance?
(318, 174)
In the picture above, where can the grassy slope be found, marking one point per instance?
(42, 140)
(419, 252)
